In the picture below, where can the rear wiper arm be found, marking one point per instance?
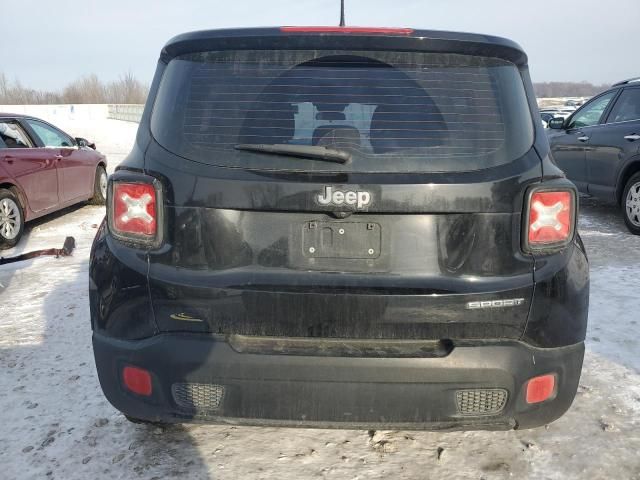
(314, 152)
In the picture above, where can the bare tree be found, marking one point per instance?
(127, 89)
(87, 89)
(567, 89)
(4, 85)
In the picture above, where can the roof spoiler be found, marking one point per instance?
(344, 38)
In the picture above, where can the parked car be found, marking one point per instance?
(598, 147)
(573, 103)
(333, 226)
(43, 169)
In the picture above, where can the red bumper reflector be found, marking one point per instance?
(137, 380)
(363, 30)
(541, 388)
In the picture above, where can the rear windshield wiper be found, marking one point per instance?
(302, 151)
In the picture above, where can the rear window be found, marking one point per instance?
(392, 111)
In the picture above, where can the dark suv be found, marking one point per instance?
(346, 227)
(598, 147)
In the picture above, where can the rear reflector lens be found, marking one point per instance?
(134, 209)
(541, 388)
(361, 30)
(551, 217)
(137, 380)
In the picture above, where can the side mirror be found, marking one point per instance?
(556, 123)
(83, 142)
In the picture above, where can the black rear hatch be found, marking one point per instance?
(342, 186)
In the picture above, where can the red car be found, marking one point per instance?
(42, 169)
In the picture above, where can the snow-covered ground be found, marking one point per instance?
(55, 423)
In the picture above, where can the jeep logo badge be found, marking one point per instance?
(359, 199)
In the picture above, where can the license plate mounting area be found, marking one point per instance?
(355, 240)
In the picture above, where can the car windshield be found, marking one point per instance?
(390, 111)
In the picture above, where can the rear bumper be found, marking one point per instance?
(343, 392)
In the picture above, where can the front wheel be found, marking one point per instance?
(99, 187)
(11, 219)
(631, 204)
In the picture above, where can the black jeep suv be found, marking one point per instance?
(340, 227)
(598, 147)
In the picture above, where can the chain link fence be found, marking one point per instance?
(126, 112)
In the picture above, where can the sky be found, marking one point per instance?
(49, 43)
